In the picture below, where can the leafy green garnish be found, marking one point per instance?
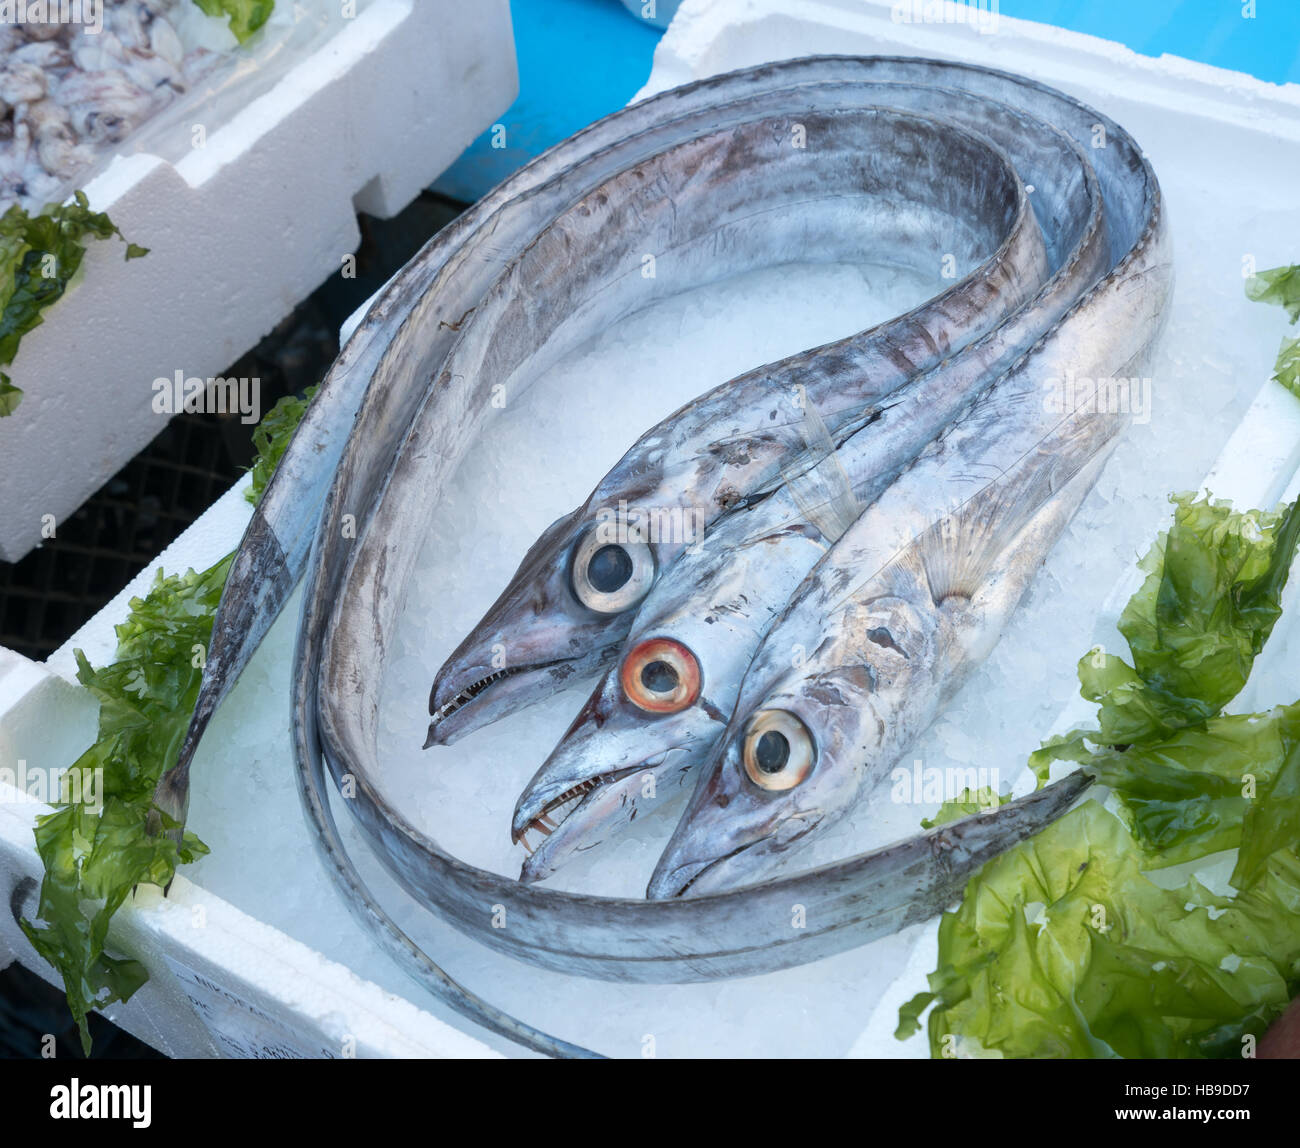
(1280, 285)
(1287, 368)
(271, 438)
(1063, 946)
(982, 800)
(1209, 602)
(246, 16)
(39, 255)
(94, 857)
(1195, 793)
(145, 697)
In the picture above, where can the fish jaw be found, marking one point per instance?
(534, 641)
(614, 763)
(489, 695)
(602, 811)
(733, 831)
(723, 836)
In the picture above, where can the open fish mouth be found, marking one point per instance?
(556, 811)
(439, 731)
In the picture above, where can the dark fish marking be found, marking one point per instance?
(716, 714)
(825, 693)
(883, 638)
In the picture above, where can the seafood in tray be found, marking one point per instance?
(780, 585)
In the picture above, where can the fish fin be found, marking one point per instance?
(817, 480)
(1006, 529)
(1009, 575)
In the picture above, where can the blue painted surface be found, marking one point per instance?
(1215, 32)
(582, 59)
(578, 60)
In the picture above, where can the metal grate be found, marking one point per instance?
(48, 595)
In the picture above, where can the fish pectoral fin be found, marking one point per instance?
(1008, 576)
(817, 480)
(1000, 536)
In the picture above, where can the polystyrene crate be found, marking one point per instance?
(216, 974)
(239, 232)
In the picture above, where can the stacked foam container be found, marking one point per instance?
(224, 982)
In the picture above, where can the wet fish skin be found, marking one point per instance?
(890, 644)
(355, 588)
(716, 452)
(723, 593)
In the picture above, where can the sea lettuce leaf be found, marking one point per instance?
(39, 256)
(246, 16)
(94, 858)
(1062, 947)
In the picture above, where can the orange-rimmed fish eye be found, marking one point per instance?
(778, 752)
(660, 676)
(611, 576)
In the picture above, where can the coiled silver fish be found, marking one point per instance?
(700, 623)
(405, 439)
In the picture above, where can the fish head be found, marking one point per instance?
(656, 715)
(792, 760)
(634, 744)
(563, 615)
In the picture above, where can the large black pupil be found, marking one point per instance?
(659, 677)
(772, 752)
(610, 568)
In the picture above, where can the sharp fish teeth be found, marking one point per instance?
(560, 808)
(472, 691)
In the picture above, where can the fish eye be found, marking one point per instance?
(778, 752)
(660, 676)
(611, 577)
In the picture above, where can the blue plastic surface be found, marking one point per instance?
(582, 59)
(578, 60)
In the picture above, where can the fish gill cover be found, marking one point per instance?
(93, 860)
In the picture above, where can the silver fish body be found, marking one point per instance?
(908, 600)
(406, 437)
(710, 458)
(625, 751)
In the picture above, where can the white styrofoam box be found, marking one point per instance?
(221, 983)
(1247, 120)
(224, 984)
(1257, 466)
(239, 231)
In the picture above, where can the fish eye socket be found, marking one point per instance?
(660, 676)
(611, 577)
(778, 751)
